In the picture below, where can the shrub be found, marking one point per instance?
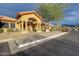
(78, 28)
(55, 28)
(10, 30)
(1, 30)
(64, 29)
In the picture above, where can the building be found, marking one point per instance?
(24, 21)
(7, 22)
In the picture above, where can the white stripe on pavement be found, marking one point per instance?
(42, 40)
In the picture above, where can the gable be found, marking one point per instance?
(19, 14)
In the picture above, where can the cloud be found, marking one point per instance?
(72, 17)
(69, 18)
(74, 13)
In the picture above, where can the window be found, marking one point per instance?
(4, 25)
(12, 25)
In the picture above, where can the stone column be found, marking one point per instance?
(26, 27)
(9, 25)
(22, 25)
(31, 29)
(39, 27)
(16, 25)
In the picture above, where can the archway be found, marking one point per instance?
(32, 24)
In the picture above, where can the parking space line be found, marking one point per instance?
(42, 40)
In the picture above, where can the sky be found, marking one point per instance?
(71, 13)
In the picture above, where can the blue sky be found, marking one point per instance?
(11, 9)
(71, 14)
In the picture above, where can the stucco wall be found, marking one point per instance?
(26, 17)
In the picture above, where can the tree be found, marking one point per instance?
(51, 11)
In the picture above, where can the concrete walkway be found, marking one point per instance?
(4, 37)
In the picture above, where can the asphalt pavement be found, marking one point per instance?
(4, 49)
(66, 45)
(13, 44)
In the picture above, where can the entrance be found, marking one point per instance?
(32, 25)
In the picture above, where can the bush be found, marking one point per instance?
(1, 30)
(78, 28)
(55, 28)
(10, 30)
(64, 29)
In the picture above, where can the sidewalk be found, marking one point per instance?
(5, 37)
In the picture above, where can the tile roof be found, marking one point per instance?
(19, 14)
(6, 18)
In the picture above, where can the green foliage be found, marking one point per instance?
(51, 11)
(10, 30)
(64, 29)
(54, 28)
(77, 28)
(57, 27)
(60, 28)
(1, 30)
